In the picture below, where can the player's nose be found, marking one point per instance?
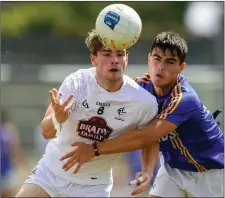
(114, 60)
(161, 67)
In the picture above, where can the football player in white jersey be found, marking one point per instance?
(105, 104)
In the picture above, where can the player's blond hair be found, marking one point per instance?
(93, 42)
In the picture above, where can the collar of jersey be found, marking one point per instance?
(103, 90)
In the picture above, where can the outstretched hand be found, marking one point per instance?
(61, 109)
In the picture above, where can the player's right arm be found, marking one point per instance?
(149, 158)
(149, 154)
(48, 129)
(61, 103)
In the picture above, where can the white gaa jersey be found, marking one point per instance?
(98, 115)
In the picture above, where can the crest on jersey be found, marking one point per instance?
(121, 113)
(85, 104)
(95, 129)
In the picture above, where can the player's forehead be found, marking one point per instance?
(165, 53)
(106, 49)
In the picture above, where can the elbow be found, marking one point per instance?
(46, 133)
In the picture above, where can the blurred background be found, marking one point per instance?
(43, 42)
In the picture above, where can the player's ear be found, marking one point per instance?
(93, 59)
(127, 57)
(182, 66)
(149, 57)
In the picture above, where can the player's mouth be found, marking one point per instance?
(114, 70)
(159, 75)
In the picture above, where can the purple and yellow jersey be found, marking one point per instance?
(197, 144)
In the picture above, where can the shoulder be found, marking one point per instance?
(80, 74)
(144, 79)
(79, 78)
(77, 81)
(186, 94)
(139, 93)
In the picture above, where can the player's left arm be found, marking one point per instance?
(180, 110)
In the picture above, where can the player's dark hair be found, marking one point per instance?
(173, 42)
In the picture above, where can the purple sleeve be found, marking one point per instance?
(180, 108)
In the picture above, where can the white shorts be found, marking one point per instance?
(57, 187)
(171, 182)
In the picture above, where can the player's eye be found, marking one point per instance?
(106, 54)
(156, 58)
(171, 62)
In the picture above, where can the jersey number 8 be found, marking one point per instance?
(100, 110)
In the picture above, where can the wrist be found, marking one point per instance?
(57, 125)
(95, 147)
(148, 171)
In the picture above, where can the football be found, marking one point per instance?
(118, 26)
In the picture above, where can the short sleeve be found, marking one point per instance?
(180, 109)
(148, 114)
(71, 85)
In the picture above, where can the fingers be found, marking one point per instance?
(55, 97)
(69, 106)
(58, 98)
(75, 144)
(72, 162)
(68, 100)
(141, 182)
(137, 181)
(141, 188)
(69, 164)
(77, 168)
(138, 174)
(70, 154)
(55, 92)
(52, 97)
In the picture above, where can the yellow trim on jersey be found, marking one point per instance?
(147, 76)
(141, 80)
(177, 144)
(176, 96)
(145, 79)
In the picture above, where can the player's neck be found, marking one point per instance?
(162, 91)
(110, 86)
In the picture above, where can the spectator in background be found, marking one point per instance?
(11, 154)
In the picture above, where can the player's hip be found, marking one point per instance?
(172, 182)
(57, 186)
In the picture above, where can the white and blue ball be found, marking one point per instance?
(118, 26)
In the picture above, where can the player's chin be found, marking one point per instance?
(115, 76)
(159, 82)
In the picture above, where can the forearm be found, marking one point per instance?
(135, 140)
(149, 157)
(48, 129)
(131, 141)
